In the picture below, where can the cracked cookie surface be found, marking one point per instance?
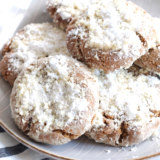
(129, 108)
(63, 11)
(33, 42)
(151, 60)
(108, 37)
(55, 100)
(136, 70)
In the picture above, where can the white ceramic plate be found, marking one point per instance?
(82, 148)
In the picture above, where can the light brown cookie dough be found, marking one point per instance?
(33, 42)
(129, 108)
(63, 11)
(136, 70)
(55, 100)
(111, 35)
(6, 48)
(151, 60)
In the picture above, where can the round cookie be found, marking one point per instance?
(151, 60)
(55, 100)
(34, 41)
(63, 11)
(129, 108)
(111, 35)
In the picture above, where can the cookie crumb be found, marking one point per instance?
(133, 149)
(108, 151)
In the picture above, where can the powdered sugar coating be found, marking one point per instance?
(151, 59)
(33, 42)
(111, 35)
(129, 108)
(69, 8)
(113, 25)
(128, 97)
(157, 26)
(63, 11)
(136, 70)
(40, 40)
(58, 93)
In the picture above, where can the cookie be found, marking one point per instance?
(33, 42)
(129, 108)
(111, 35)
(151, 59)
(156, 26)
(136, 71)
(63, 11)
(55, 100)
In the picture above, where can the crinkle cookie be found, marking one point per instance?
(111, 35)
(129, 108)
(33, 42)
(151, 60)
(63, 11)
(55, 100)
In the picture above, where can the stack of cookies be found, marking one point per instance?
(94, 71)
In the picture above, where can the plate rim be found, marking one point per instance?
(51, 154)
(31, 146)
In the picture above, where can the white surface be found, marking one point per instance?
(11, 20)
